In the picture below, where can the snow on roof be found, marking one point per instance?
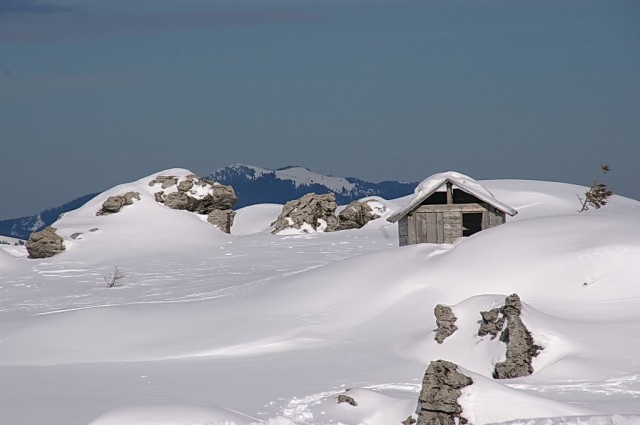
(461, 181)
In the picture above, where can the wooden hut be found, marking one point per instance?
(447, 206)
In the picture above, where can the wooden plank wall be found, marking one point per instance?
(452, 225)
(439, 228)
(403, 231)
(443, 223)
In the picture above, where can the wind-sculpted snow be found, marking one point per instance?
(279, 326)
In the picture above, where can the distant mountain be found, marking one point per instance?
(23, 226)
(254, 185)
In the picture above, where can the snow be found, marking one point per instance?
(207, 324)
(171, 415)
(301, 176)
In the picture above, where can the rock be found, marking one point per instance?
(165, 181)
(45, 243)
(177, 201)
(222, 219)
(223, 197)
(520, 346)
(445, 320)
(441, 388)
(491, 324)
(343, 398)
(310, 213)
(408, 421)
(356, 215)
(185, 185)
(194, 194)
(76, 235)
(114, 204)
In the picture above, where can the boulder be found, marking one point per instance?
(356, 215)
(194, 194)
(165, 181)
(177, 201)
(222, 219)
(114, 204)
(441, 387)
(343, 398)
(520, 346)
(45, 243)
(185, 185)
(445, 320)
(492, 323)
(310, 213)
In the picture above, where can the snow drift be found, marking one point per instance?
(278, 326)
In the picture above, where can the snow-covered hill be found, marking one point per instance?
(276, 327)
(255, 185)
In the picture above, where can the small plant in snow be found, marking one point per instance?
(114, 279)
(598, 193)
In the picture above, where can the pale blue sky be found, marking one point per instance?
(94, 93)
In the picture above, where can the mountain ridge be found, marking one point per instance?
(284, 184)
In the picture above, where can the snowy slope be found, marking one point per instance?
(276, 327)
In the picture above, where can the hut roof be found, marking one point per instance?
(465, 183)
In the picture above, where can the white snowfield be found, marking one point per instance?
(252, 328)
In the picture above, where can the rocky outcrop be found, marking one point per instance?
(165, 181)
(445, 320)
(198, 195)
(343, 398)
(356, 215)
(492, 323)
(309, 214)
(520, 347)
(45, 243)
(441, 388)
(114, 204)
(222, 219)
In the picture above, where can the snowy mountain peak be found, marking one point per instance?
(255, 185)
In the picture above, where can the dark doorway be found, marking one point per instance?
(471, 223)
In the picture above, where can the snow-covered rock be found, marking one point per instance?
(309, 214)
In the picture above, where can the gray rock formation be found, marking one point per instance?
(222, 219)
(445, 320)
(165, 181)
(194, 194)
(343, 398)
(114, 204)
(314, 211)
(177, 201)
(45, 243)
(441, 388)
(200, 196)
(356, 215)
(492, 323)
(520, 346)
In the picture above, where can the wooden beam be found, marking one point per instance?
(449, 193)
(456, 207)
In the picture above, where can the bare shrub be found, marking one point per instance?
(115, 278)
